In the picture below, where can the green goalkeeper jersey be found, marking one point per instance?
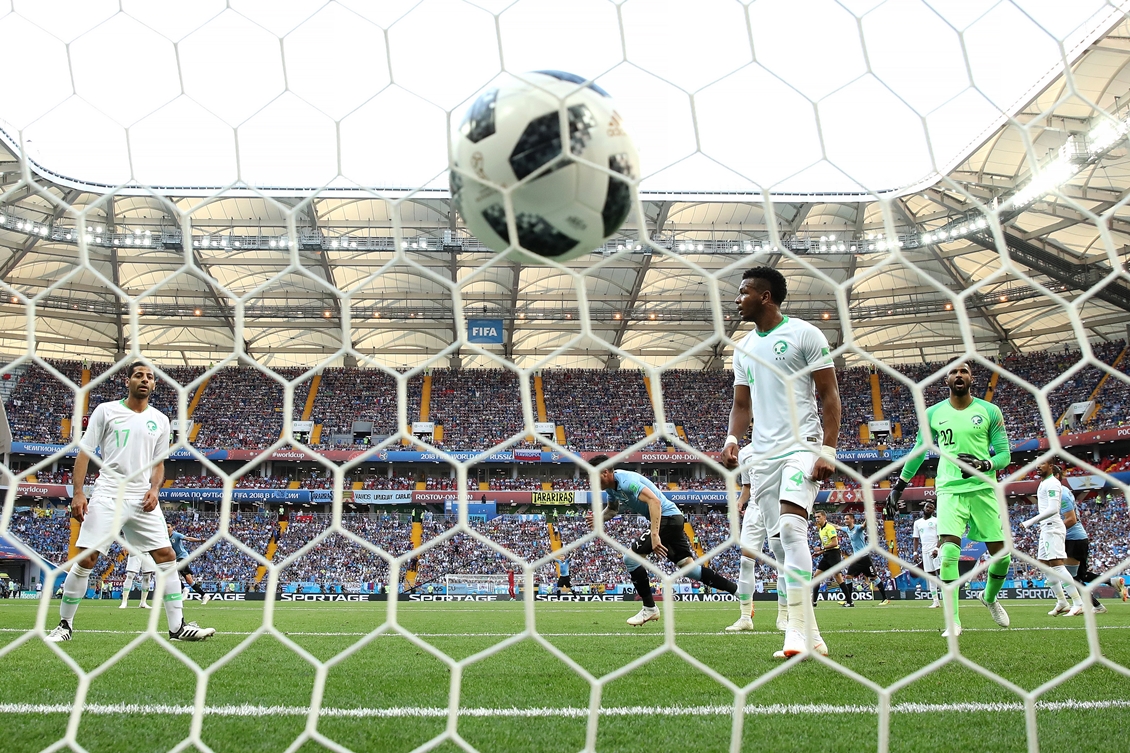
(972, 430)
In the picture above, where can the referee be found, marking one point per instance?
(830, 557)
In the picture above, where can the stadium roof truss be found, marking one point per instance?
(284, 254)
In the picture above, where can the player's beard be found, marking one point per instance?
(960, 390)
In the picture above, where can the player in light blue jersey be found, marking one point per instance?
(857, 533)
(564, 583)
(666, 535)
(1078, 545)
(177, 539)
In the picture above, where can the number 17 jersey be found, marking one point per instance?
(129, 442)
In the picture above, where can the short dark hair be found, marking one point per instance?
(596, 460)
(134, 367)
(774, 281)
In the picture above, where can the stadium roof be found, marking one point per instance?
(184, 259)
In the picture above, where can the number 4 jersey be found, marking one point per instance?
(130, 442)
(975, 429)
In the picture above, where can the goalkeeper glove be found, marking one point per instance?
(984, 466)
(895, 504)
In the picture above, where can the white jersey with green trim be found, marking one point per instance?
(1048, 503)
(764, 362)
(130, 442)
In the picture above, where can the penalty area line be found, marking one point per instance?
(403, 712)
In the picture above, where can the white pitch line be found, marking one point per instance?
(247, 710)
(626, 633)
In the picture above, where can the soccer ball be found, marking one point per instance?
(566, 209)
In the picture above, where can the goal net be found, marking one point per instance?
(254, 201)
(460, 584)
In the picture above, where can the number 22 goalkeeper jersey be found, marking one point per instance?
(973, 430)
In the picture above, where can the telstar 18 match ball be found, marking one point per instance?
(567, 208)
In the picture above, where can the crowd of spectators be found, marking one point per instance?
(351, 394)
(61, 476)
(569, 484)
(478, 408)
(387, 483)
(1114, 399)
(241, 408)
(164, 398)
(857, 406)
(464, 554)
(247, 481)
(1019, 404)
(39, 402)
(599, 409)
(699, 401)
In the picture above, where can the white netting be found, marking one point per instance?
(281, 222)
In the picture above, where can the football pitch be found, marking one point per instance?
(392, 694)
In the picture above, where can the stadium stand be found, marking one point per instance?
(599, 410)
(242, 407)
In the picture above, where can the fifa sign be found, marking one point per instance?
(484, 331)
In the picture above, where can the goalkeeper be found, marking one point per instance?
(966, 428)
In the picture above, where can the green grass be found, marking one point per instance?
(883, 644)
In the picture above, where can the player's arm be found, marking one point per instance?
(1070, 517)
(830, 409)
(1040, 518)
(78, 499)
(655, 514)
(917, 541)
(915, 461)
(998, 438)
(610, 511)
(741, 414)
(743, 500)
(86, 447)
(156, 479)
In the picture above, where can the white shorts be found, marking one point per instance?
(930, 563)
(140, 563)
(1052, 545)
(788, 479)
(753, 528)
(142, 531)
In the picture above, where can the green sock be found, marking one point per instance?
(951, 553)
(998, 570)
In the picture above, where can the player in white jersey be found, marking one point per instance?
(1051, 550)
(142, 569)
(753, 541)
(778, 370)
(926, 538)
(134, 440)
